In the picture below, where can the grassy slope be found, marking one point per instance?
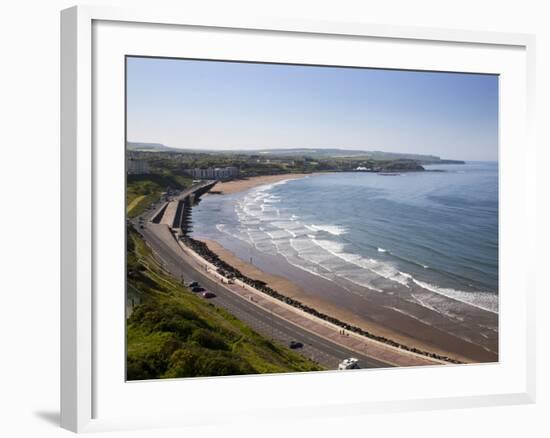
(174, 333)
(134, 203)
(143, 190)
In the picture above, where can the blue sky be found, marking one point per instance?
(225, 105)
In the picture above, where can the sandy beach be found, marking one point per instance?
(239, 185)
(378, 318)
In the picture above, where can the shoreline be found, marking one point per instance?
(225, 269)
(409, 327)
(428, 339)
(387, 355)
(240, 185)
(294, 291)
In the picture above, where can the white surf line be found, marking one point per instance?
(383, 345)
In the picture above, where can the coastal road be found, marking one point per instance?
(319, 349)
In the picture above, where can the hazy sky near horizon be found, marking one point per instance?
(228, 105)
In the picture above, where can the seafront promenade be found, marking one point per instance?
(357, 343)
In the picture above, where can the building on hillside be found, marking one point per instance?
(220, 173)
(136, 167)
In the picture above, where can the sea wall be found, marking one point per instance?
(229, 271)
(157, 217)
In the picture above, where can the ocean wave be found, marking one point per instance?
(310, 268)
(384, 270)
(285, 224)
(335, 230)
(441, 308)
(278, 234)
(267, 208)
(257, 235)
(266, 187)
(482, 300)
(417, 298)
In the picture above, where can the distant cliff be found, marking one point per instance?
(297, 153)
(397, 166)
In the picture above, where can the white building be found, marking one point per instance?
(136, 167)
(221, 173)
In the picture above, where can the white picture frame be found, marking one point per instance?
(86, 377)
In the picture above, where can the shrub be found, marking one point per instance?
(208, 339)
(151, 364)
(139, 369)
(152, 313)
(223, 365)
(182, 329)
(194, 361)
(183, 363)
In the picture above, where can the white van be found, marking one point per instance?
(349, 364)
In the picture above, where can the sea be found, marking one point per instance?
(431, 234)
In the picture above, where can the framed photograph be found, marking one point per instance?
(283, 217)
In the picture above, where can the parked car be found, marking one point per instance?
(295, 344)
(209, 295)
(197, 289)
(194, 284)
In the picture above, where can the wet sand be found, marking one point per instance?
(377, 313)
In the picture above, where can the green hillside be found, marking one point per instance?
(174, 333)
(317, 153)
